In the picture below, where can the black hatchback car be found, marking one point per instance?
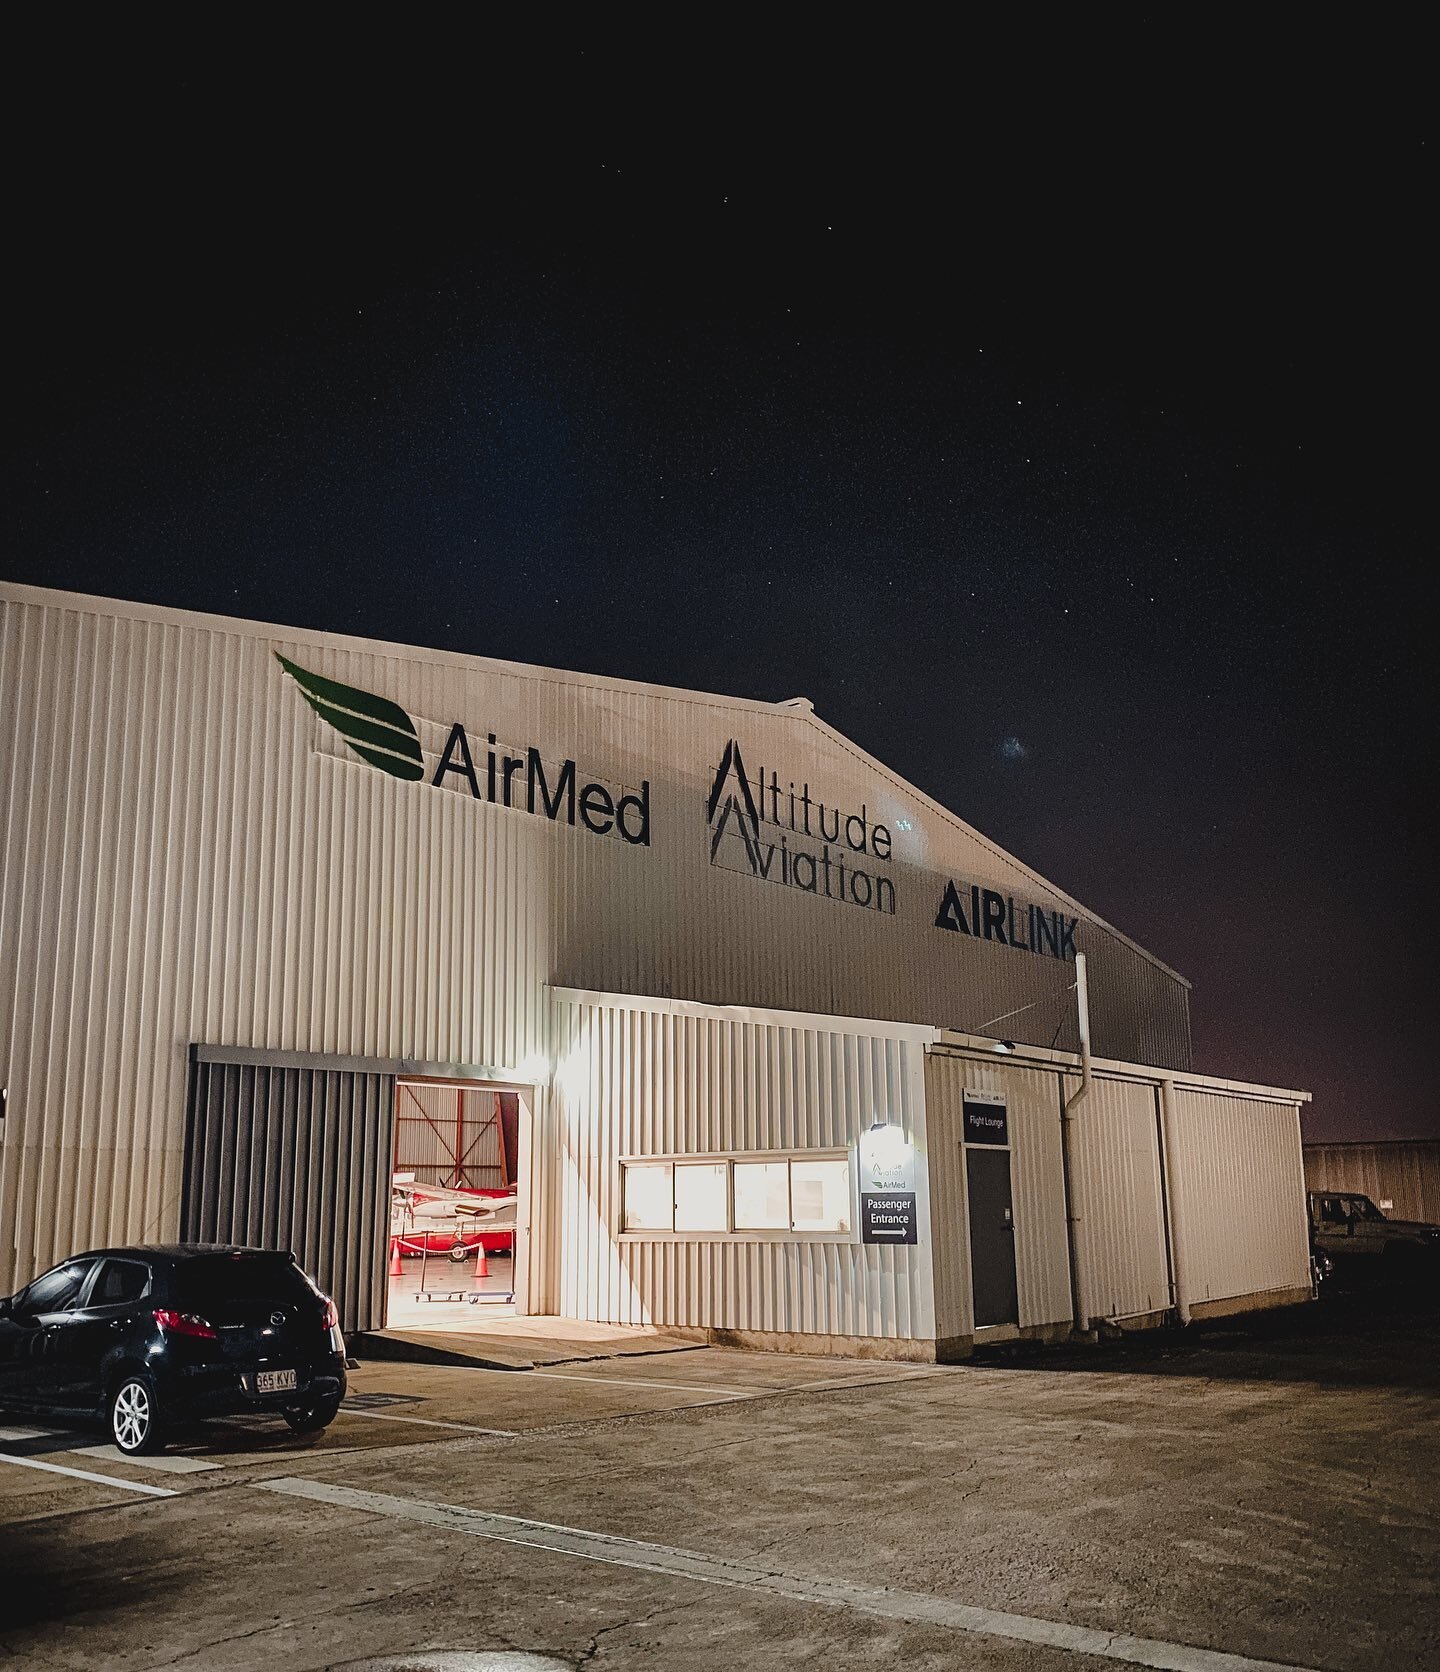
(148, 1338)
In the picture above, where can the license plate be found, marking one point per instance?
(274, 1381)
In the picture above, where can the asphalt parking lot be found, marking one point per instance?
(1263, 1492)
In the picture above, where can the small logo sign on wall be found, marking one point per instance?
(887, 1185)
(888, 1216)
(986, 1120)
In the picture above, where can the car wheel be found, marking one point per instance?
(135, 1417)
(310, 1419)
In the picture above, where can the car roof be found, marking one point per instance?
(178, 1251)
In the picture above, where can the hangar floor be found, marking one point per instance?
(444, 1302)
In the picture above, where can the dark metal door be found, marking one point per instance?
(299, 1159)
(992, 1237)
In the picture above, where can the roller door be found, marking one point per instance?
(299, 1158)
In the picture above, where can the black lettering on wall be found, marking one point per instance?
(640, 805)
(950, 915)
(456, 759)
(564, 788)
(597, 810)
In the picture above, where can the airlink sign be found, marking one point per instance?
(382, 733)
(996, 917)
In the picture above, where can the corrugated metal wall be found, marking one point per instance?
(1230, 1185)
(1037, 1183)
(653, 1082)
(189, 853)
(1238, 1196)
(297, 1159)
(1404, 1173)
(1119, 1198)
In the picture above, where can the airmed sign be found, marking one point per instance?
(382, 734)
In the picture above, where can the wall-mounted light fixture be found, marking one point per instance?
(885, 1150)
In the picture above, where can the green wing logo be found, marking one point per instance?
(378, 730)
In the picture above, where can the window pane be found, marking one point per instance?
(240, 1279)
(701, 1196)
(762, 1195)
(57, 1289)
(119, 1282)
(820, 1195)
(649, 1198)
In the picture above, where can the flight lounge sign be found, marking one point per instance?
(383, 734)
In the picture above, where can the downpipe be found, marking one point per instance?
(1177, 1243)
(1079, 1288)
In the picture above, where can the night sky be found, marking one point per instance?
(1058, 434)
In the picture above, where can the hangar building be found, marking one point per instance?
(746, 1033)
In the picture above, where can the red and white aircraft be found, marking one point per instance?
(444, 1220)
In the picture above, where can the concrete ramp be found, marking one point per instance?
(521, 1343)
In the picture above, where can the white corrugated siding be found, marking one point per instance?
(1238, 1196)
(1037, 1184)
(1119, 1199)
(653, 1082)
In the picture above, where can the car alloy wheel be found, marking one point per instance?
(132, 1417)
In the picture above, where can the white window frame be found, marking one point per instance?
(730, 1234)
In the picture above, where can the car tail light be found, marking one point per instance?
(184, 1323)
(331, 1319)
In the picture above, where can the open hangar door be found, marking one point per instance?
(294, 1153)
(456, 1219)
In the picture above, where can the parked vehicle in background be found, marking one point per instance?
(1349, 1231)
(149, 1338)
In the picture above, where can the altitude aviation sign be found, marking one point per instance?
(382, 733)
(813, 847)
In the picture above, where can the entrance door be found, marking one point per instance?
(992, 1237)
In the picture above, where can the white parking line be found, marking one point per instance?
(633, 1382)
(914, 1607)
(428, 1422)
(27, 1433)
(758, 1390)
(85, 1474)
(166, 1462)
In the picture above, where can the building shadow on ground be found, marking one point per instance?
(1369, 1336)
(51, 1582)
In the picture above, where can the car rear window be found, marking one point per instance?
(233, 1279)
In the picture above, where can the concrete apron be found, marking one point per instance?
(522, 1343)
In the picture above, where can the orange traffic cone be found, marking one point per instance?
(396, 1269)
(482, 1270)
